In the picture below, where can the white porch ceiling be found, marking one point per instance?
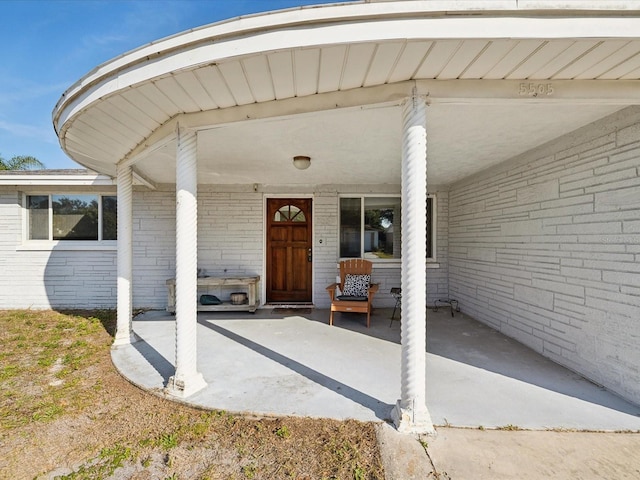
(254, 63)
(363, 146)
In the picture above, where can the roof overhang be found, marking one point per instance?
(44, 178)
(327, 82)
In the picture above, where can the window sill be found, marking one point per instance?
(45, 246)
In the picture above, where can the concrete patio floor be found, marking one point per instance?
(294, 363)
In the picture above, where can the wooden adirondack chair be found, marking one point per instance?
(355, 292)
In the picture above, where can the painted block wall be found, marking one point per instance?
(546, 249)
(42, 279)
(154, 245)
(230, 237)
(326, 249)
(438, 278)
(230, 242)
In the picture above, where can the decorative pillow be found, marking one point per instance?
(356, 285)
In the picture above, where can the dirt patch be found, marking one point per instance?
(66, 413)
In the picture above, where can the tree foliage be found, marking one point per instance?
(21, 162)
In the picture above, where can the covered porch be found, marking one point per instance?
(294, 363)
(361, 89)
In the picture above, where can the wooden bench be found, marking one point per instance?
(248, 284)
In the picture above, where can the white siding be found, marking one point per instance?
(546, 249)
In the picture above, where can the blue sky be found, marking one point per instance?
(47, 45)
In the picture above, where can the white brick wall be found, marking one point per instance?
(438, 278)
(545, 248)
(326, 255)
(230, 242)
(154, 245)
(72, 279)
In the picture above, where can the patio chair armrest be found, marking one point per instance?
(332, 291)
(373, 289)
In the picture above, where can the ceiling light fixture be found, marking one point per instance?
(301, 162)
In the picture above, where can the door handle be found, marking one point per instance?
(309, 255)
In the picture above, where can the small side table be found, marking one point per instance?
(446, 302)
(396, 292)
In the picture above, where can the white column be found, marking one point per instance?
(187, 380)
(124, 330)
(410, 415)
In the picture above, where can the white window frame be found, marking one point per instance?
(50, 244)
(434, 226)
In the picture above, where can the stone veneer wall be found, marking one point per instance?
(546, 249)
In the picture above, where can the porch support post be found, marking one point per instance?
(410, 414)
(124, 330)
(186, 380)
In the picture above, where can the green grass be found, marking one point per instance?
(58, 345)
(104, 465)
(56, 367)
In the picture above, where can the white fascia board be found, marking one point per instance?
(347, 23)
(405, 29)
(57, 180)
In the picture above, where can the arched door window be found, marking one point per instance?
(289, 213)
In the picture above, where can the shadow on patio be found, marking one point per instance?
(274, 364)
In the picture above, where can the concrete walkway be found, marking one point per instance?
(272, 363)
(293, 363)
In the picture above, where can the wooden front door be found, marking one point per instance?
(289, 255)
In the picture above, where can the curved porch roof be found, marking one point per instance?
(327, 82)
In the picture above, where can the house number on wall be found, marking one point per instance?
(535, 89)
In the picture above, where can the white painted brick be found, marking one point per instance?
(614, 307)
(559, 287)
(562, 211)
(482, 254)
(600, 180)
(583, 256)
(630, 134)
(612, 239)
(533, 296)
(613, 265)
(631, 226)
(621, 161)
(629, 279)
(584, 273)
(526, 227)
(536, 193)
(566, 202)
(631, 182)
(590, 228)
(580, 175)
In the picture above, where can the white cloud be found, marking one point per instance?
(40, 133)
(25, 90)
